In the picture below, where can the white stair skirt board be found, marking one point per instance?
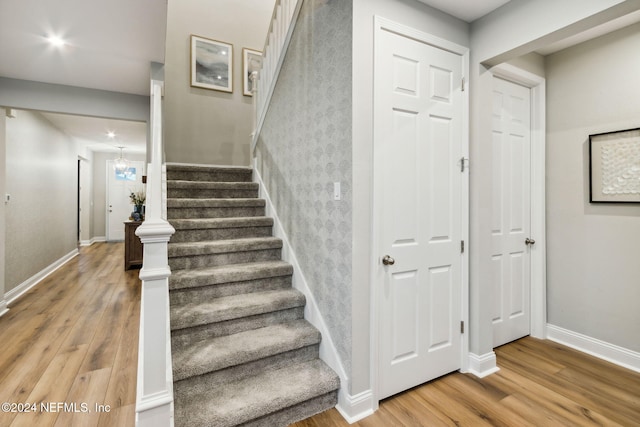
(3, 308)
(23, 287)
(483, 365)
(603, 350)
(352, 408)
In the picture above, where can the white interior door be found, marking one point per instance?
(119, 187)
(418, 138)
(511, 211)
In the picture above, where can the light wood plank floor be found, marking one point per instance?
(540, 383)
(74, 339)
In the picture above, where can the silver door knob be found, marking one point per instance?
(387, 260)
(529, 241)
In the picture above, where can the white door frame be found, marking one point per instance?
(383, 24)
(538, 278)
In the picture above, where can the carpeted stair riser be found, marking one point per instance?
(234, 307)
(208, 260)
(296, 413)
(208, 190)
(214, 208)
(218, 354)
(229, 273)
(182, 236)
(198, 230)
(188, 336)
(267, 399)
(215, 212)
(194, 294)
(197, 173)
(212, 380)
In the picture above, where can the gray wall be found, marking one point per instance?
(304, 147)
(55, 98)
(593, 273)
(41, 166)
(206, 126)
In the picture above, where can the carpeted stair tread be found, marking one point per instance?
(223, 246)
(211, 185)
(233, 307)
(214, 203)
(257, 396)
(182, 279)
(243, 347)
(172, 167)
(207, 223)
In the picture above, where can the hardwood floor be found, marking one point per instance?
(540, 383)
(74, 339)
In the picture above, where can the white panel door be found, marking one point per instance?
(511, 211)
(119, 207)
(418, 142)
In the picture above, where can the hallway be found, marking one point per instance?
(73, 339)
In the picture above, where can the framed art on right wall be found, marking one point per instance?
(614, 167)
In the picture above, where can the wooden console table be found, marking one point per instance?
(132, 245)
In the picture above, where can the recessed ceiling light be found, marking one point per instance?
(111, 134)
(56, 41)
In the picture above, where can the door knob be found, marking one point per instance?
(387, 260)
(529, 241)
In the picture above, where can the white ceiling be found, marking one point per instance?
(467, 10)
(111, 44)
(92, 132)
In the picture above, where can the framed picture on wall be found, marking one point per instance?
(614, 167)
(211, 64)
(251, 61)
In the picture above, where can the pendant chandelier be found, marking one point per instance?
(121, 165)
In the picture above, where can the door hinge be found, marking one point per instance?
(462, 326)
(463, 84)
(463, 160)
(461, 246)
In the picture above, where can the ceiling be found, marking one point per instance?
(92, 132)
(467, 10)
(109, 46)
(110, 43)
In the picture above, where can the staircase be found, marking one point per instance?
(242, 352)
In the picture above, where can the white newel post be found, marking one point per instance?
(154, 402)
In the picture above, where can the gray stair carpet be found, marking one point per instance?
(243, 354)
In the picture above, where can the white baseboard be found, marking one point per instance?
(352, 408)
(23, 287)
(3, 308)
(483, 364)
(603, 350)
(93, 240)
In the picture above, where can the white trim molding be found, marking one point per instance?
(603, 350)
(3, 307)
(352, 408)
(538, 290)
(356, 407)
(93, 240)
(32, 281)
(483, 365)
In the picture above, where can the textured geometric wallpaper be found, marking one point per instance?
(305, 146)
